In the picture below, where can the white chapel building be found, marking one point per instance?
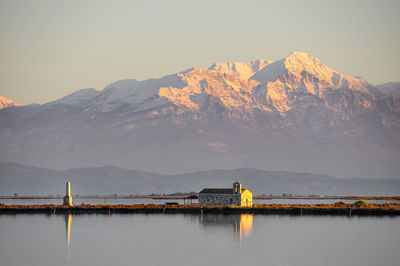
(236, 196)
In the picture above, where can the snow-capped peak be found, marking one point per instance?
(244, 70)
(5, 102)
(297, 62)
(303, 71)
(295, 65)
(78, 97)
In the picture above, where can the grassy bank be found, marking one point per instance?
(339, 208)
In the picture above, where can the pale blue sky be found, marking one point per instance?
(49, 49)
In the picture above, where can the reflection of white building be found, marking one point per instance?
(242, 223)
(236, 196)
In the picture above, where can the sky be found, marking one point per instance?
(49, 49)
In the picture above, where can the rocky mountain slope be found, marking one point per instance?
(390, 88)
(294, 114)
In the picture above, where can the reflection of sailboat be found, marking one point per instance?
(242, 223)
(68, 220)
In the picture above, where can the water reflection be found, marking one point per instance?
(246, 225)
(144, 239)
(68, 220)
(242, 224)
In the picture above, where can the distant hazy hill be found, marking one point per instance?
(26, 180)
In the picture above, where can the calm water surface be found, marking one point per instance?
(157, 239)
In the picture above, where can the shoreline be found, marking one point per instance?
(166, 197)
(342, 209)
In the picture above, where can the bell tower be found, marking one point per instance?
(237, 188)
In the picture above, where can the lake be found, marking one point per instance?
(167, 239)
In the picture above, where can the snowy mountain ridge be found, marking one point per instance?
(259, 84)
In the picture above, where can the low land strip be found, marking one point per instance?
(339, 208)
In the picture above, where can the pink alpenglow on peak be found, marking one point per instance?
(4, 102)
(261, 84)
(244, 70)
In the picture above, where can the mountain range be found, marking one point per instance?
(294, 114)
